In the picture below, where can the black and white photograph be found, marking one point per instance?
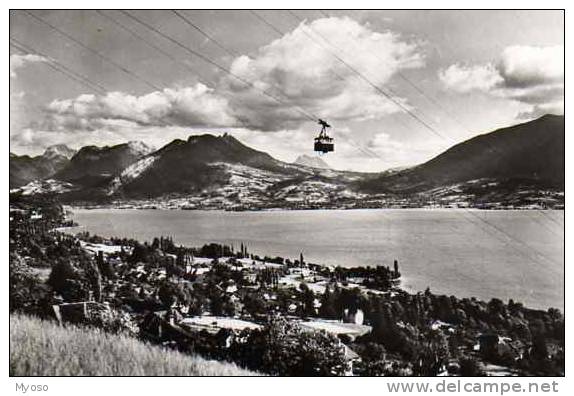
(287, 192)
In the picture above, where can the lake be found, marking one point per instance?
(504, 254)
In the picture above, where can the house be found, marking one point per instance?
(213, 324)
(444, 326)
(349, 330)
(35, 216)
(355, 316)
(77, 312)
(232, 288)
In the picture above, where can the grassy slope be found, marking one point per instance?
(41, 348)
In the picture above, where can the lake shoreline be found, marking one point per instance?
(289, 209)
(198, 295)
(194, 233)
(398, 287)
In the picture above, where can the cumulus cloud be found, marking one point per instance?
(19, 61)
(462, 78)
(303, 74)
(304, 77)
(188, 107)
(525, 66)
(302, 71)
(530, 75)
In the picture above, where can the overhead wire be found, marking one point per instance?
(190, 23)
(491, 148)
(148, 43)
(265, 22)
(217, 65)
(368, 81)
(428, 127)
(365, 79)
(364, 150)
(59, 67)
(93, 51)
(419, 90)
(231, 52)
(85, 81)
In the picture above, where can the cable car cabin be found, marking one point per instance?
(324, 143)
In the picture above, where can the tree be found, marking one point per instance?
(328, 309)
(94, 278)
(27, 293)
(308, 300)
(283, 348)
(139, 254)
(216, 304)
(388, 333)
(104, 266)
(170, 293)
(469, 368)
(431, 355)
(113, 321)
(539, 347)
(254, 305)
(61, 272)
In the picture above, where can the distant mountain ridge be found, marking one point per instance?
(59, 150)
(94, 166)
(24, 169)
(192, 165)
(532, 151)
(313, 162)
(508, 165)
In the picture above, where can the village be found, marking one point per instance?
(225, 302)
(245, 289)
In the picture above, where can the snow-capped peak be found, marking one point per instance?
(138, 147)
(59, 150)
(313, 162)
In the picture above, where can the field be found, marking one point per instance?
(41, 348)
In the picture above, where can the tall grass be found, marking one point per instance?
(42, 348)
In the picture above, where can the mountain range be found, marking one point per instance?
(94, 167)
(516, 166)
(532, 151)
(25, 169)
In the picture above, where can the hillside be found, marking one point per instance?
(193, 165)
(93, 166)
(24, 169)
(203, 171)
(532, 153)
(41, 348)
(518, 166)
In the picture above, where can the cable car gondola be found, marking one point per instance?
(324, 143)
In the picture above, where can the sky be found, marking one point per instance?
(397, 86)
